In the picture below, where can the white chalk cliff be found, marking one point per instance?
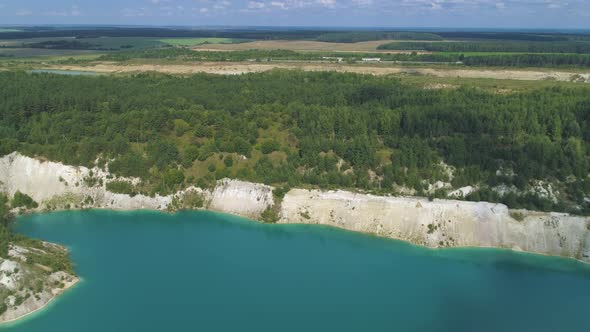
(440, 223)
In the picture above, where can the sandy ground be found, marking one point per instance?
(300, 45)
(236, 68)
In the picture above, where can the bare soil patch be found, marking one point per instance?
(236, 68)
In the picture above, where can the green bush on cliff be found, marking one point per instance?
(518, 216)
(23, 200)
(121, 187)
(269, 216)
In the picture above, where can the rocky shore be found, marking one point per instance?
(436, 223)
(25, 286)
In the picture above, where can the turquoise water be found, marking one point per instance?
(64, 72)
(201, 271)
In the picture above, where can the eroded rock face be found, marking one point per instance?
(58, 186)
(241, 198)
(441, 223)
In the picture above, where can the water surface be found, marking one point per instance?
(201, 271)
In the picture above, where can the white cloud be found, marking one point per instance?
(256, 5)
(362, 3)
(327, 3)
(222, 4)
(24, 12)
(279, 4)
(135, 12)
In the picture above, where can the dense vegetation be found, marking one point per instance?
(360, 36)
(93, 32)
(186, 54)
(51, 257)
(492, 46)
(508, 35)
(306, 129)
(62, 45)
(283, 33)
(501, 60)
(5, 234)
(528, 60)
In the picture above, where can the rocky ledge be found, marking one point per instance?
(433, 223)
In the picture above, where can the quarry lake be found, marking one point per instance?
(202, 271)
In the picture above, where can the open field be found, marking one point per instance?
(236, 68)
(302, 45)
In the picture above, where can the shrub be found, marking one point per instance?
(228, 161)
(20, 200)
(269, 146)
(518, 216)
(121, 187)
(270, 216)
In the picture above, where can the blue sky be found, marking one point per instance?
(383, 13)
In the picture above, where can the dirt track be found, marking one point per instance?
(242, 68)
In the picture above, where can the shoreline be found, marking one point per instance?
(405, 241)
(420, 221)
(364, 233)
(66, 288)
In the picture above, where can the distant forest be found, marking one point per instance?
(324, 130)
(501, 60)
(494, 46)
(286, 33)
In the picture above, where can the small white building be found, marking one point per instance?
(332, 58)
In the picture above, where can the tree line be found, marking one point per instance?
(290, 128)
(492, 46)
(360, 36)
(492, 60)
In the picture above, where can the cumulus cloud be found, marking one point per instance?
(327, 3)
(279, 4)
(507, 13)
(256, 5)
(24, 12)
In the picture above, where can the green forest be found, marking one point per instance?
(360, 36)
(477, 60)
(316, 130)
(492, 46)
